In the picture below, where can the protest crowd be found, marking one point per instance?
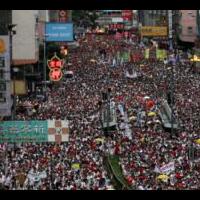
(150, 157)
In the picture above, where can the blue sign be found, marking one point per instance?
(59, 32)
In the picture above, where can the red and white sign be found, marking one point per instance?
(55, 65)
(58, 131)
(127, 15)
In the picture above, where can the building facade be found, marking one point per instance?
(187, 25)
(153, 17)
(5, 72)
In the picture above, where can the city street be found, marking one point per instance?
(114, 93)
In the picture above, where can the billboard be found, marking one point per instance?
(23, 131)
(59, 32)
(5, 93)
(34, 131)
(154, 31)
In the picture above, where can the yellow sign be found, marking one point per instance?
(154, 31)
(2, 46)
(20, 87)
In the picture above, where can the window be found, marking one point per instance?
(1, 74)
(2, 62)
(2, 86)
(190, 30)
(2, 98)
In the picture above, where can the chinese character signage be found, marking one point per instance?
(34, 131)
(55, 65)
(127, 16)
(23, 131)
(59, 32)
(154, 31)
(116, 26)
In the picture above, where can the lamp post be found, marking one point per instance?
(44, 65)
(170, 33)
(15, 70)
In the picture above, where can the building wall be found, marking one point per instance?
(5, 19)
(187, 25)
(152, 17)
(25, 46)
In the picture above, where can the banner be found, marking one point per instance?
(37, 176)
(165, 169)
(154, 31)
(23, 131)
(146, 54)
(34, 131)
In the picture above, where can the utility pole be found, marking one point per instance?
(172, 101)
(170, 36)
(44, 66)
(170, 31)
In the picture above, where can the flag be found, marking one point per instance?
(146, 54)
(163, 177)
(76, 166)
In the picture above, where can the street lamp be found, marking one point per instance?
(11, 32)
(15, 71)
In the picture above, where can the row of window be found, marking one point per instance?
(158, 12)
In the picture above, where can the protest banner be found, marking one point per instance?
(165, 169)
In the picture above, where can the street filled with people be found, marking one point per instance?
(151, 157)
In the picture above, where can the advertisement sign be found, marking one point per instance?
(127, 15)
(55, 65)
(5, 92)
(154, 31)
(59, 32)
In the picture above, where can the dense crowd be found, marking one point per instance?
(97, 67)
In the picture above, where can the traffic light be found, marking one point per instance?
(63, 50)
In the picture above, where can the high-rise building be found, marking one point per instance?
(187, 25)
(153, 17)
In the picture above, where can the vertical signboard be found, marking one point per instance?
(170, 28)
(5, 92)
(127, 16)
